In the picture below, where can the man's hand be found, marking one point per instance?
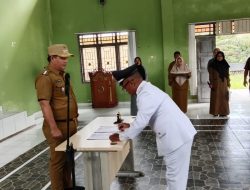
(209, 84)
(49, 118)
(123, 126)
(56, 133)
(114, 137)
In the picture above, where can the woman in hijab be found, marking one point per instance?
(219, 83)
(180, 74)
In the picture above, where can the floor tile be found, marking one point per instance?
(219, 160)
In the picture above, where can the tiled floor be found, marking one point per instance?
(220, 153)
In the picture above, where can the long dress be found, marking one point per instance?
(180, 86)
(180, 94)
(219, 99)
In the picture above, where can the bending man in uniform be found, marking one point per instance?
(50, 88)
(173, 129)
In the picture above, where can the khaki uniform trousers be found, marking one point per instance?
(60, 172)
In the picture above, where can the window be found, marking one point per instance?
(224, 27)
(103, 51)
(205, 29)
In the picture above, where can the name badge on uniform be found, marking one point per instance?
(60, 84)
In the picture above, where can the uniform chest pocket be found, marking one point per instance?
(59, 88)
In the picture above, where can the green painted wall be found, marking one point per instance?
(24, 36)
(202, 11)
(144, 16)
(29, 26)
(168, 38)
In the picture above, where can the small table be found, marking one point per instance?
(101, 160)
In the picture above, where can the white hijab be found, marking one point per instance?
(180, 68)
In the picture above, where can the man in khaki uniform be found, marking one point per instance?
(50, 88)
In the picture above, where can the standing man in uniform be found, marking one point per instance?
(247, 73)
(50, 89)
(173, 129)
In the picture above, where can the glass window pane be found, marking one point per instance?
(108, 58)
(106, 38)
(90, 61)
(103, 50)
(87, 39)
(122, 37)
(124, 56)
(204, 29)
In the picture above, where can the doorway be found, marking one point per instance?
(203, 38)
(237, 50)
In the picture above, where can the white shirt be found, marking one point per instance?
(156, 109)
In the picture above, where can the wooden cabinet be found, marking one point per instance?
(103, 89)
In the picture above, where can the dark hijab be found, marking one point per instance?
(140, 68)
(222, 67)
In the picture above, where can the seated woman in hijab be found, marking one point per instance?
(219, 83)
(180, 74)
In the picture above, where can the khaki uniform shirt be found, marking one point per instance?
(50, 85)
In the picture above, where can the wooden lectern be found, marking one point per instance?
(103, 89)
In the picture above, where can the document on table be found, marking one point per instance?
(107, 129)
(99, 136)
(103, 133)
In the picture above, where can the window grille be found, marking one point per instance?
(205, 29)
(103, 51)
(240, 26)
(224, 27)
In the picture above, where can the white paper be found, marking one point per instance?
(103, 132)
(99, 136)
(107, 129)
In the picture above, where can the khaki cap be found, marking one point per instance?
(60, 50)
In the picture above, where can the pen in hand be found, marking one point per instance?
(123, 126)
